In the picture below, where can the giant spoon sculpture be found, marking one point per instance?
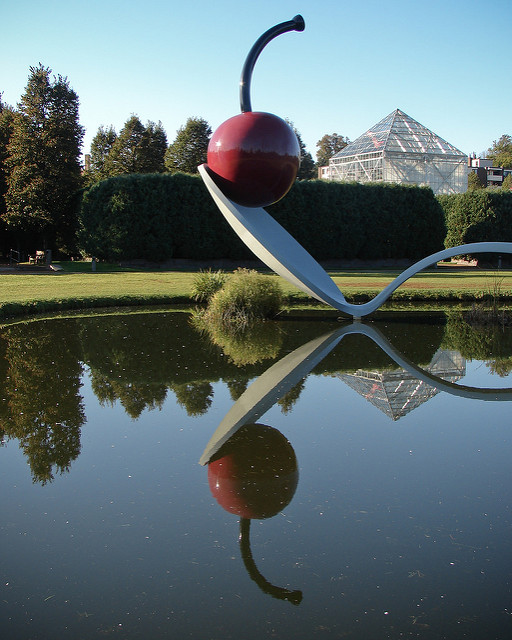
(252, 162)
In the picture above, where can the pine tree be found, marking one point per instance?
(189, 148)
(44, 172)
(101, 146)
(137, 149)
(6, 128)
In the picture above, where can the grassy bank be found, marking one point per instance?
(77, 287)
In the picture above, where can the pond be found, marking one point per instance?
(313, 479)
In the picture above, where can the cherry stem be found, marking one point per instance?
(295, 24)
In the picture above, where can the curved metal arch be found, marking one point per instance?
(275, 247)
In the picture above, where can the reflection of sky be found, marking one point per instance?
(479, 374)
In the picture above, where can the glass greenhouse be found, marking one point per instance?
(400, 149)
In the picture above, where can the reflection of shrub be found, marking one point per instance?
(246, 296)
(206, 284)
(488, 313)
(254, 343)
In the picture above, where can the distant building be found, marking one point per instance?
(399, 149)
(488, 175)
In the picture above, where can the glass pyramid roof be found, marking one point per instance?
(399, 133)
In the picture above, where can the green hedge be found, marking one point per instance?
(158, 217)
(335, 220)
(478, 216)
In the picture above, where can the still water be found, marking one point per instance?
(313, 480)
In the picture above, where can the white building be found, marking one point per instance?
(488, 174)
(401, 150)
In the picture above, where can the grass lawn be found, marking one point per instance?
(76, 286)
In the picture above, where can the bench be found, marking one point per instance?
(38, 258)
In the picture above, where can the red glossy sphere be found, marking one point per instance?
(255, 474)
(254, 158)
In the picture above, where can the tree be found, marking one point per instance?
(501, 152)
(6, 129)
(474, 182)
(101, 146)
(329, 145)
(43, 164)
(137, 149)
(507, 182)
(307, 169)
(189, 148)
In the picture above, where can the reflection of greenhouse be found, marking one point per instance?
(399, 149)
(396, 392)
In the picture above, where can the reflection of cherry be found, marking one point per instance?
(254, 475)
(254, 157)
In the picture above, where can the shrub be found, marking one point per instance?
(478, 216)
(206, 284)
(246, 296)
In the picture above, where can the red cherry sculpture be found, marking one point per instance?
(255, 473)
(254, 157)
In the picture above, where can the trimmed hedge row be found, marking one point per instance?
(160, 216)
(372, 221)
(478, 216)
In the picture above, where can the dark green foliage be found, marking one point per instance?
(474, 182)
(189, 148)
(43, 169)
(335, 220)
(158, 217)
(501, 152)
(153, 217)
(137, 149)
(483, 215)
(328, 146)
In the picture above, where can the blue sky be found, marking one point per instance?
(446, 63)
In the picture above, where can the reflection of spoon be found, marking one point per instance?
(284, 374)
(269, 387)
(274, 246)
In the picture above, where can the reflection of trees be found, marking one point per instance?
(195, 397)
(236, 386)
(134, 398)
(287, 401)
(490, 343)
(43, 407)
(136, 359)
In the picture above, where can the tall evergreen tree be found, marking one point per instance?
(101, 145)
(157, 146)
(137, 149)
(6, 129)
(189, 148)
(44, 172)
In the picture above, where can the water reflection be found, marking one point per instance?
(249, 471)
(394, 528)
(138, 360)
